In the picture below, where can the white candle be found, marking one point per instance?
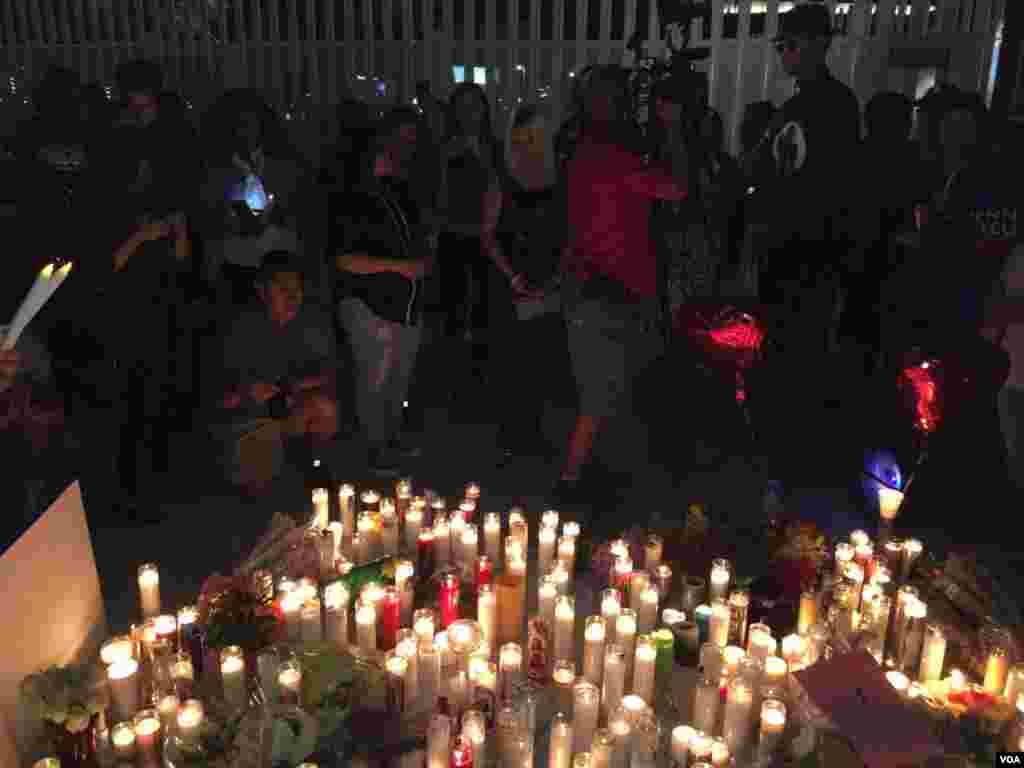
(738, 715)
(321, 510)
(407, 646)
(366, 626)
(338, 534)
(547, 593)
(794, 648)
(291, 607)
(776, 671)
(760, 643)
(510, 668)
(439, 736)
(397, 669)
(1014, 687)
(423, 626)
(644, 669)
(336, 600)
(167, 707)
(718, 626)
(721, 575)
(594, 635)
(122, 737)
(232, 673)
(859, 538)
(413, 526)
(933, 653)
(363, 543)
(586, 711)
(844, 555)
(614, 682)
(996, 669)
(898, 680)
(312, 628)
(567, 553)
(622, 732)
(289, 681)
(190, 721)
(706, 699)
(889, 501)
(517, 526)
(149, 590)
(561, 577)
(470, 546)
(647, 616)
(681, 736)
(622, 572)
(601, 749)
(611, 607)
(442, 542)
(773, 724)
(550, 519)
(546, 540)
(429, 669)
(487, 613)
(560, 750)
(720, 756)
(474, 728)
(117, 649)
(653, 549)
(492, 537)
(456, 526)
(912, 549)
(639, 581)
(458, 690)
(625, 637)
(345, 494)
(565, 628)
(123, 676)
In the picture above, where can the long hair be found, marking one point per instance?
(611, 80)
(525, 115)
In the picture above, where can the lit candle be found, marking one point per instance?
(336, 600)
(366, 626)
(167, 707)
(718, 627)
(567, 553)
(291, 607)
(487, 613)
(232, 672)
(647, 616)
(439, 736)
(680, 748)
(470, 545)
(407, 646)
(338, 537)
(123, 676)
(933, 653)
(492, 536)
(456, 526)
(345, 494)
(776, 671)
(510, 668)
(586, 711)
(428, 665)
(448, 598)
(462, 753)
(474, 728)
(611, 607)
(639, 581)
(289, 681)
(560, 576)
(182, 673)
(1015, 687)
(396, 667)
(122, 737)
(644, 668)
(653, 549)
(625, 637)
(511, 605)
(309, 619)
(622, 733)
(423, 626)
(117, 649)
(565, 627)
(472, 491)
(622, 571)
(731, 657)
(190, 721)
(594, 636)
(148, 741)
(563, 677)
(560, 750)
(413, 526)
(707, 697)
(912, 549)
(365, 527)
(602, 748)
(321, 510)
(149, 590)
(914, 612)
(663, 581)
(794, 648)
(844, 555)
(547, 593)
(863, 554)
(720, 756)
(760, 642)
(721, 575)
(517, 526)
(996, 669)
(773, 724)
(738, 715)
(899, 681)
(614, 683)
(808, 613)
(889, 501)
(547, 538)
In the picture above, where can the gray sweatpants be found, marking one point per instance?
(384, 353)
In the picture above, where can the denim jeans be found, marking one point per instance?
(384, 353)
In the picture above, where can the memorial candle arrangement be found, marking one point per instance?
(232, 673)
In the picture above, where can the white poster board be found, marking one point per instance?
(55, 609)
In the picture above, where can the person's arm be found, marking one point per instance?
(151, 230)
(362, 263)
(10, 364)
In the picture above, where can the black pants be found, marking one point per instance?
(465, 285)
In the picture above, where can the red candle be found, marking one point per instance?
(468, 510)
(448, 599)
(484, 571)
(462, 753)
(425, 552)
(389, 607)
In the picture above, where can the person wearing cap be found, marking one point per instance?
(813, 140)
(277, 369)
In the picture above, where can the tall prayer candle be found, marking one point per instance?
(915, 612)
(190, 721)
(680, 744)
(474, 728)
(149, 590)
(116, 649)
(456, 527)
(611, 607)
(321, 508)
(291, 607)
(396, 667)
(366, 626)
(509, 587)
(550, 519)
(693, 593)
(563, 677)
(739, 604)
(487, 614)
(653, 549)
(428, 666)
(718, 627)
(448, 599)
(808, 613)
(646, 657)
(602, 748)
(470, 546)
(423, 626)
(707, 696)
(912, 549)
(594, 635)
(123, 677)
(565, 627)
(760, 642)
(567, 553)
(168, 707)
(484, 571)
(639, 581)
(996, 669)
(413, 526)
(232, 673)
(345, 495)
(844, 554)
(439, 736)
(731, 657)
(122, 738)
(773, 724)
(899, 681)
(560, 750)
(647, 615)
(889, 502)
(721, 576)
(1014, 688)
(311, 626)
(738, 715)
(614, 683)
(289, 681)
(517, 526)
(622, 571)
(510, 668)
(622, 732)
(546, 596)
(560, 576)
(625, 637)
(547, 538)
(794, 649)
(933, 653)
(442, 541)
(148, 739)
(776, 671)
(586, 710)
(492, 536)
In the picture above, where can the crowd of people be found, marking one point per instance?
(537, 246)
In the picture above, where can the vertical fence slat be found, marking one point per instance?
(513, 78)
(28, 56)
(369, 38)
(331, 47)
(857, 38)
(114, 50)
(412, 51)
(715, 66)
(273, 47)
(556, 95)
(349, 37)
(605, 34)
(447, 44)
(582, 15)
(629, 20)
(768, 55)
(982, 30)
(51, 29)
(534, 62)
(492, 61)
(886, 19)
(654, 29)
(95, 38)
(295, 46)
(467, 49)
(242, 36)
(139, 41)
(426, 45)
(738, 96)
(313, 48)
(75, 19)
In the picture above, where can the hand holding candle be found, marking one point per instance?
(46, 284)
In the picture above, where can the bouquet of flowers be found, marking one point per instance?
(65, 696)
(798, 550)
(236, 612)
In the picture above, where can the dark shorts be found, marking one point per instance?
(610, 342)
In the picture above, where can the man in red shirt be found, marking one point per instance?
(611, 291)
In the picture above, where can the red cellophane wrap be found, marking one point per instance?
(921, 389)
(730, 338)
